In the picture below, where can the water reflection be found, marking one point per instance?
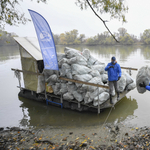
(37, 114)
(8, 52)
(146, 52)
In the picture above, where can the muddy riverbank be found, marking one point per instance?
(106, 137)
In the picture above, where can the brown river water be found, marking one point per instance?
(133, 110)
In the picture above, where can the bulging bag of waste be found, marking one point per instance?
(101, 98)
(143, 76)
(64, 88)
(56, 88)
(71, 88)
(72, 60)
(91, 60)
(83, 77)
(87, 98)
(77, 96)
(79, 59)
(95, 73)
(53, 78)
(98, 63)
(79, 69)
(129, 79)
(65, 69)
(68, 96)
(100, 68)
(60, 56)
(86, 53)
(69, 75)
(71, 52)
(121, 83)
(131, 86)
(95, 80)
(47, 73)
(41, 84)
(96, 92)
(62, 61)
(104, 78)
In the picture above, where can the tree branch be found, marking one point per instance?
(104, 22)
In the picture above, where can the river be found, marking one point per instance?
(134, 109)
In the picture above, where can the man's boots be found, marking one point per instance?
(117, 96)
(111, 99)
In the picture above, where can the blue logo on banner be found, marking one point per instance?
(46, 41)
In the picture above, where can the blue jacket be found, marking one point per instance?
(148, 87)
(113, 73)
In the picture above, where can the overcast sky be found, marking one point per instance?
(64, 15)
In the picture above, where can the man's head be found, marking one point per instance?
(113, 60)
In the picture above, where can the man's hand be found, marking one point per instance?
(118, 78)
(111, 66)
(142, 85)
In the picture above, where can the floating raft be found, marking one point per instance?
(57, 100)
(68, 104)
(32, 69)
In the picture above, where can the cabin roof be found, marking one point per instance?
(31, 45)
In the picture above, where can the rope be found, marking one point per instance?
(107, 116)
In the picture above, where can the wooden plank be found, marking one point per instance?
(82, 82)
(29, 72)
(129, 68)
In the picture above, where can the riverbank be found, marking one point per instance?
(106, 137)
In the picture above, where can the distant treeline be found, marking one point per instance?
(74, 38)
(7, 38)
(124, 38)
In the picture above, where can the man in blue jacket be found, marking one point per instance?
(145, 86)
(114, 74)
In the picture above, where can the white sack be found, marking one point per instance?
(69, 52)
(64, 88)
(52, 78)
(47, 73)
(121, 83)
(104, 77)
(95, 80)
(129, 79)
(56, 88)
(83, 77)
(62, 61)
(79, 69)
(72, 60)
(91, 60)
(100, 68)
(96, 92)
(86, 53)
(95, 73)
(68, 96)
(87, 98)
(143, 76)
(99, 63)
(77, 96)
(101, 98)
(60, 56)
(41, 84)
(65, 69)
(69, 75)
(71, 88)
(131, 86)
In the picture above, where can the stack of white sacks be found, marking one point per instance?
(82, 66)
